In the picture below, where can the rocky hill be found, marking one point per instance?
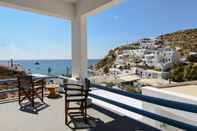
(186, 40)
(104, 64)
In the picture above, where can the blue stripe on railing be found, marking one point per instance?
(158, 101)
(8, 90)
(7, 81)
(154, 116)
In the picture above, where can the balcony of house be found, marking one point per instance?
(51, 117)
(109, 109)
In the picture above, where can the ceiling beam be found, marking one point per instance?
(58, 8)
(91, 7)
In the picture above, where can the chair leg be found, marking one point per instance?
(82, 108)
(43, 91)
(66, 112)
(32, 94)
(43, 95)
(85, 111)
(19, 97)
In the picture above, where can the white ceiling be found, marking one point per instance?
(59, 8)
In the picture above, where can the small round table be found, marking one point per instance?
(52, 88)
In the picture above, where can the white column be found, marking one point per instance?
(79, 47)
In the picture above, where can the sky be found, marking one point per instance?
(25, 35)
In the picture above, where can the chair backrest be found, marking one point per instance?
(87, 86)
(25, 82)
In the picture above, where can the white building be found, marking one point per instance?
(139, 53)
(162, 58)
(122, 59)
(147, 43)
(144, 73)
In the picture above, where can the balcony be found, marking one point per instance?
(51, 118)
(111, 109)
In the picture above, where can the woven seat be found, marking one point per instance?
(76, 93)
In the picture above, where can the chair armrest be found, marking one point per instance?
(37, 80)
(73, 85)
(72, 89)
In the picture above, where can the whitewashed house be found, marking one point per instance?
(122, 59)
(150, 45)
(162, 58)
(139, 53)
(150, 59)
(147, 43)
(144, 73)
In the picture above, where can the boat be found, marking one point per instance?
(37, 63)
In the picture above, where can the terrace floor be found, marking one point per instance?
(51, 118)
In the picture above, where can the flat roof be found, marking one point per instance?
(129, 78)
(154, 71)
(190, 90)
(155, 82)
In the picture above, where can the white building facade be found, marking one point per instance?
(162, 58)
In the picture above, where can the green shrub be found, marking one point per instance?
(106, 69)
(182, 73)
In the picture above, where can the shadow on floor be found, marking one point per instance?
(79, 123)
(120, 123)
(38, 107)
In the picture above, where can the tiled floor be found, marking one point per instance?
(51, 118)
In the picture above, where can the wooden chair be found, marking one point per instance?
(78, 94)
(29, 89)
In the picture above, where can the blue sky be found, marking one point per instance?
(25, 35)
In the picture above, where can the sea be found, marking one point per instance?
(54, 67)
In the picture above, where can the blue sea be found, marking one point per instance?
(57, 67)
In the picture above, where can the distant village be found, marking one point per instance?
(148, 62)
(151, 60)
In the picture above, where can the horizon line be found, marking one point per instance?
(46, 59)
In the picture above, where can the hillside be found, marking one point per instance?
(105, 63)
(186, 40)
